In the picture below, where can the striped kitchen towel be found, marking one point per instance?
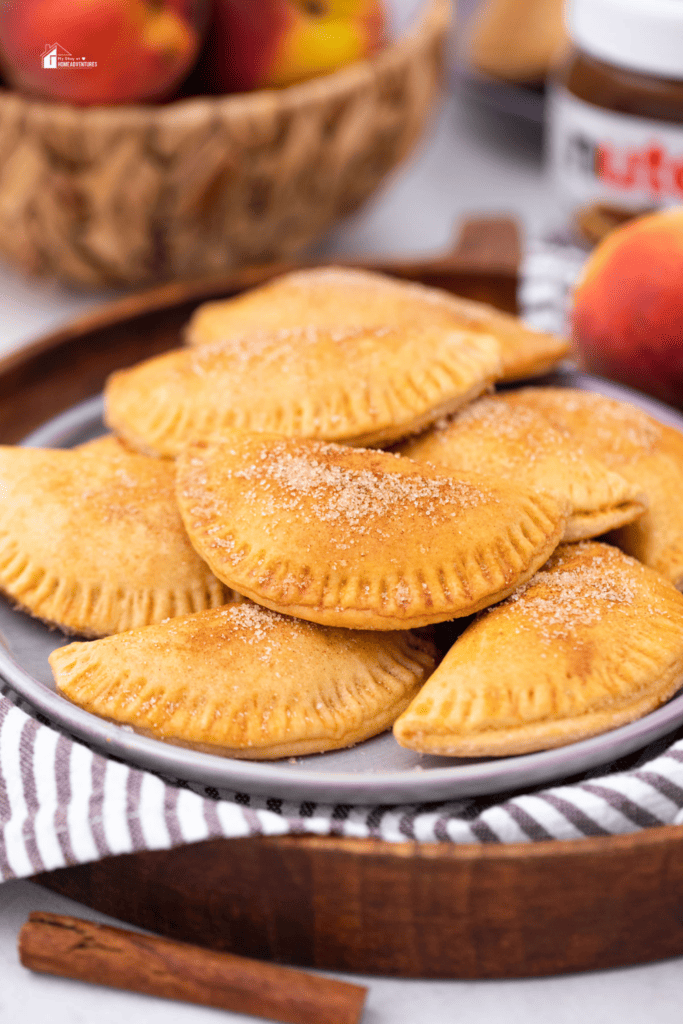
(548, 274)
(61, 803)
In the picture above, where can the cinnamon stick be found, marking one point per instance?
(73, 948)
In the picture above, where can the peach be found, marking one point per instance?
(100, 51)
(265, 43)
(627, 316)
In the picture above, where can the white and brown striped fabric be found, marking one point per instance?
(61, 803)
(550, 269)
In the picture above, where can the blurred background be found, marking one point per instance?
(97, 199)
(159, 142)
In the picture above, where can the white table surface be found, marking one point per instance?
(472, 161)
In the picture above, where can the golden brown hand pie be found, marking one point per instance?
(639, 448)
(246, 682)
(593, 641)
(361, 385)
(358, 538)
(517, 443)
(91, 540)
(337, 296)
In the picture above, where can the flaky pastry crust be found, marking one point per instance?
(333, 296)
(91, 540)
(593, 641)
(360, 385)
(358, 538)
(517, 442)
(245, 682)
(644, 451)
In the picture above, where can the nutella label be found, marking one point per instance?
(600, 156)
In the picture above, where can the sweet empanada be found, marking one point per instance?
(593, 641)
(245, 682)
(647, 453)
(359, 538)
(361, 385)
(91, 540)
(517, 443)
(338, 296)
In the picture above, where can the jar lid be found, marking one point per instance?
(641, 35)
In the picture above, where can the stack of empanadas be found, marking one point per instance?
(258, 571)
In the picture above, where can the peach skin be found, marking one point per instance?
(100, 51)
(627, 316)
(271, 43)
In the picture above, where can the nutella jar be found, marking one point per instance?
(615, 112)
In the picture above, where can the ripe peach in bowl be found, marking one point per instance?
(128, 194)
(100, 51)
(263, 43)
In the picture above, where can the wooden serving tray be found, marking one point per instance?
(408, 909)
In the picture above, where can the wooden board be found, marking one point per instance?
(414, 910)
(417, 910)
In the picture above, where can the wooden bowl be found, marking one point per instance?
(131, 195)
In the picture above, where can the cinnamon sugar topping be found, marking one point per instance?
(516, 424)
(619, 431)
(278, 346)
(558, 600)
(354, 496)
